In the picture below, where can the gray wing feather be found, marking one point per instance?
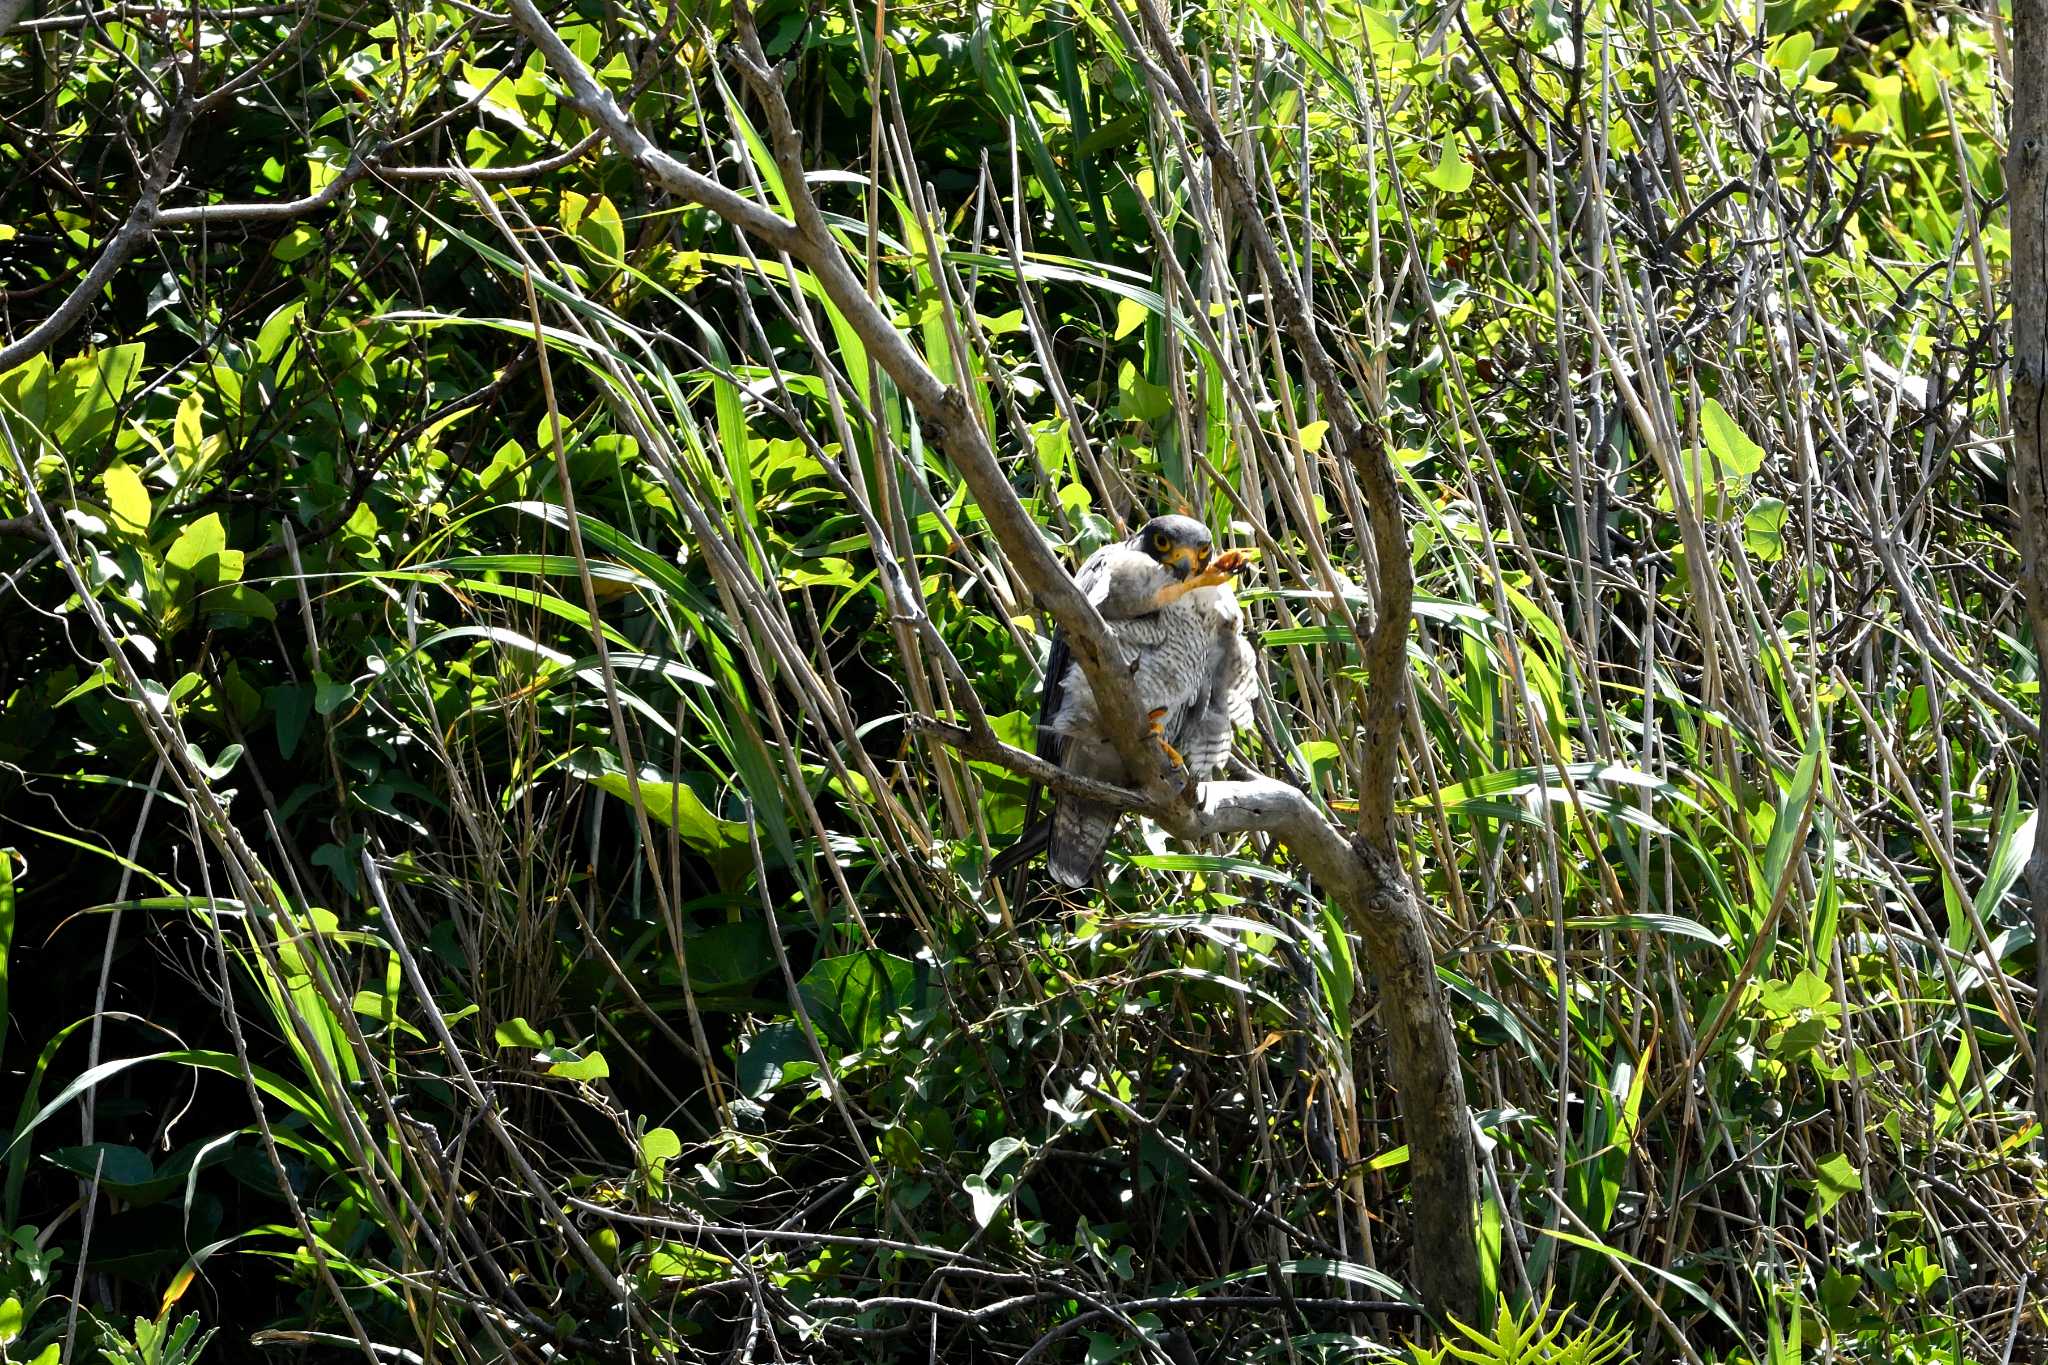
(1115, 579)
(1082, 829)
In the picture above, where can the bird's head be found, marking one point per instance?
(1179, 544)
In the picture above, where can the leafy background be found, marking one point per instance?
(598, 982)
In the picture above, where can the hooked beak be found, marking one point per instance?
(1186, 561)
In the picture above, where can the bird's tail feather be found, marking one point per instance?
(1080, 831)
(1029, 844)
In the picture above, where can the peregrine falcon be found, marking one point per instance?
(1168, 602)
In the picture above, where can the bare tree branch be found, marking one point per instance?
(147, 218)
(116, 13)
(126, 241)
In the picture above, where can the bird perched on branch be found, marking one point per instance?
(1166, 598)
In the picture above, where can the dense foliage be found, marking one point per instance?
(474, 886)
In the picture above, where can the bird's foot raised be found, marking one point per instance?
(1215, 575)
(1219, 571)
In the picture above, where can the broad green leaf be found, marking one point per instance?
(776, 1054)
(591, 1067)
(1763, 530)
(1732, 449)
(1130, 316)
(518, 1033)
(496, 94)
(1806, 992)
(188, 435)
(1837, 1178)
(127, 501)
(330, 696)
(278, 331)
(603, 231)
(731, 956)
(1452, 173)
(674, 804)
(988, 1199)
(301, 241)
(200, 557)
(237, 599)
(658, 1145)
(88, 392)
(675, 1261)
(855, 998)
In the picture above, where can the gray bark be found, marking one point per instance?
(2026, 178)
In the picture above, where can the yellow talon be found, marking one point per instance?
(1158, 730)
(1219, 571)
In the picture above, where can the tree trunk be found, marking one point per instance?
(2026, 180)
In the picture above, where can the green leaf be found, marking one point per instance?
(238, 600)
(658, 1145)
(1452, 173)
(291, 704)
(775, 1055)
(1281, 22)
(127, 501)
(197, 543)
(988, 1199)
(125, 1171)
(589, 1068)
(1837, 1178)
(1791, 52)
(277, 330)
(188, 435)
(856, 998)
(518, 1033)
(330, 696)
(88, 392)
(1676, 925)
(1805, 992)
(1732, 449)
(1372, 1281)
(603, 231)
(731, 956)
(200, 558)
(1763, 530)
(496, 94)
(674, 804)
(1130, 316)
(300, 241)
(675, 1261)
(25, 390)
(1139, 398)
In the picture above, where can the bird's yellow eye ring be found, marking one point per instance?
(1160, 540)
